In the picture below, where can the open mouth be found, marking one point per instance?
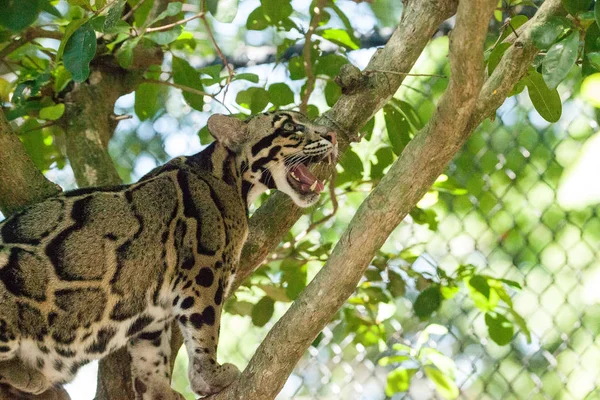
(302, 180)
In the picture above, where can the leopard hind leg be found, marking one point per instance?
(150, 369)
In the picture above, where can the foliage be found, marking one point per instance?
(49, 47)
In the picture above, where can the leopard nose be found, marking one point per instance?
(332, 137)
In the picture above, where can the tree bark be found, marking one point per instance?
(21, 183)
(364, 95)
(462, 108)
(385, 207)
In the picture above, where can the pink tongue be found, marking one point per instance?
(306, 178)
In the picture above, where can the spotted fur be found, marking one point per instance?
(93, 270)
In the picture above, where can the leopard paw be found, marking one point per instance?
(207, 379)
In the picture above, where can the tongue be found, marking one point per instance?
(306, 178)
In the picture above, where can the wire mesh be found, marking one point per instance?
(518, 221)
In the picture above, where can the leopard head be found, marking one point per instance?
(276, 151)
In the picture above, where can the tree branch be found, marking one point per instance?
(21, 182)
(26, 37)
(361, 99)
(462, 108)
(306, 54)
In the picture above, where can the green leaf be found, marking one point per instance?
(399, 380)
(560, 59)
(295, 275)
(52, 113)
(545, 35)
(520, 321)
(575, 6)
(280, 94)
(397, 285)
(444, 364)
(113, 16)
(597, 13)
(205, 136)
(254, 99)
(385, 361)
(329, 64)
(546, 101)
(501, 329)
(385, 157)
(409, 112)
(263, 311)
(184, 74)
(256, 20)
(296, 67)
(125, 52)
(353, 166)
(425, 217)
(428, 302)
(594, 59)
(276, 10)
(332, 93)
(149, 98)
(496, 56)
(79, 51)
(397, 128)
(312, 112)
(5, 89)
(245, 77)
(276, 293)
(341, 37)
(444, 385)
(510, 283)
(223, 10)
(49, 8)
(69, 30)
(62, 77)
(172, 10)
(480, 284)
(17, 15)
(590, 89)
(165, 37)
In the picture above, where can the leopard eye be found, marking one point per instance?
(288, 126)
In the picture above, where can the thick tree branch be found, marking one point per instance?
(364, 95)
(462, 108)
(21, 183)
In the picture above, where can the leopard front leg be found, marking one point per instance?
(22, 377)
(199, 313)
(150, 369)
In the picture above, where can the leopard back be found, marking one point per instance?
(92, 270)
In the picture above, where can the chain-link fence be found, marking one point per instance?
(529, 215)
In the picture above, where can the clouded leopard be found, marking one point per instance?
(92, 270)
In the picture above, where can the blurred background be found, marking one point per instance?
(489, 290)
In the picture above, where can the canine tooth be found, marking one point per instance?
(294, 176)
(313, 186)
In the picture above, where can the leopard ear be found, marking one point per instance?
(228, 130)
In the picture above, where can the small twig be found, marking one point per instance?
(28, 36)
(109, 4)
(217, 49)
(133, 9)
(174, 24)
(371, 71)
(187, 89)
(121, 117)
(178, 86)
(37, 128)
(310, 76)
